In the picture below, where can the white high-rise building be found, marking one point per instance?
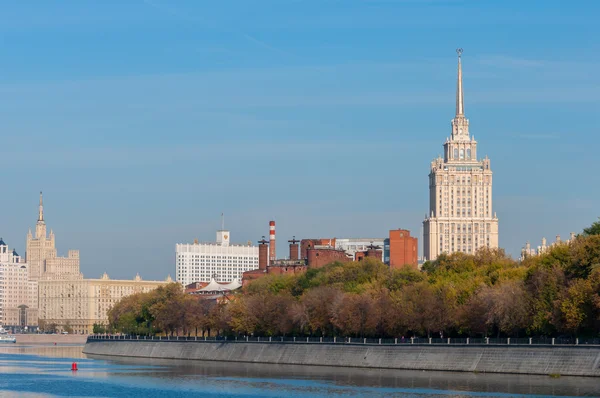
(201, 262)
(460, 216)
(18, 295)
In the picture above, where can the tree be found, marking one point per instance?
(474, 314)
(544, 286)
(576, 307)
(99, 328)
(593, 229)
(317, 309)
(354, 314)
(509, 310)
(67, 328)
(426, 310)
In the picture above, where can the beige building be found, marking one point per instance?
(42, 256)
(18, 295)
(62, 296)
(529, 251)
(460, 217)
(81, 303)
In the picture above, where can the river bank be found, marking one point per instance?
(540, 360)
(51, 338)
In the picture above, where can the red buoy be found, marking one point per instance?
(74, 366)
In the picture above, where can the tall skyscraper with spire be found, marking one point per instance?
(460, 217)
(41, 253)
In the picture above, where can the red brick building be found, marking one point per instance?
(403, 249)
(318, 258)
(320, 243)
(315, 253)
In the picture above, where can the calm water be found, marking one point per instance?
(45, 371)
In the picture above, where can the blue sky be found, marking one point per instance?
(142, 120)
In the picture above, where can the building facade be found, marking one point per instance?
(460, 217)
(225, 262)
(18, 295)
(81, 303)
(401, 249)
(42, 256)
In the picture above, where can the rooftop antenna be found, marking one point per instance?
(222, 222)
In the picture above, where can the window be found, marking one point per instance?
(455, 153)
(462, 153)
(468, 153)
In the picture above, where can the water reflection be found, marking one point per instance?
(42, 371)
(383, 378)
(50, 350)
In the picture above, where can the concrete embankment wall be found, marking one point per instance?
(571, 361)
(51, 338)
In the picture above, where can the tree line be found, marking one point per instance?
(485, 294)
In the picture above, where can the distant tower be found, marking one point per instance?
(272, 241)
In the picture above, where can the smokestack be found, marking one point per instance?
(263, 254)
(294, 248)
(271, 241)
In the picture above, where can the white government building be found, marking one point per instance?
(220, 260)
(460, 217)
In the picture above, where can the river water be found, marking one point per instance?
(45, 371)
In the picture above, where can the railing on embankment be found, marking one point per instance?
(520, 356)
(508, 341)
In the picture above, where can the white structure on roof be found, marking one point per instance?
(215, 286)
(221, 260)
(353, 245)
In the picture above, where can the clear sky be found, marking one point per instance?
(143, 120)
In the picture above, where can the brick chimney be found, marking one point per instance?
(263, 253)
(294, 248)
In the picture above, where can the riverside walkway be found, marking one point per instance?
(508, 341)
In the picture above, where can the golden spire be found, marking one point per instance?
(460, 106)
(41, 209)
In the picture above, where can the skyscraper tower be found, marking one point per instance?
(460, 216)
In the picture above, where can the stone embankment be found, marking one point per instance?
(51, 338)
(544, 360)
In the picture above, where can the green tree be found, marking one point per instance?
(593, 229)
(99, 328)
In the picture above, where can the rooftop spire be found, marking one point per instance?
(460, 106)
(41, 209)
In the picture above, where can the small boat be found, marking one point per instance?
(5, 337)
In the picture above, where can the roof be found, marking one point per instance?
(2, 242)
(214, 286)
(15, 253)
(234, 284)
